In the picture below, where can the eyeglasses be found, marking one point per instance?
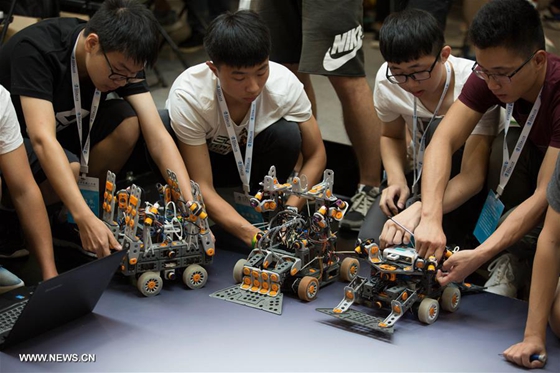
(500, 78)
(417, 76)
(120, 77)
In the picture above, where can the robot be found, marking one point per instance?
(173, 234)
(295, 251)
(400, 280)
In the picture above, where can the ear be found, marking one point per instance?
(540, 59)
(445, 52)
(214, 68)
(91, 44)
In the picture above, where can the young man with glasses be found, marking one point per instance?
(514, 71)
(59, 72)
(413, 91)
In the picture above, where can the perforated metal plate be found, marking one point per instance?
(247, 298)
(358, 318)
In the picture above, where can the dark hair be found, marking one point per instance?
(128, 27)
(409, 35)
(512, 24)
(239, 39)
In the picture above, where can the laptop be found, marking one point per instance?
(57, 301)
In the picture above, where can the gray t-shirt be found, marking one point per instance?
(553, 191)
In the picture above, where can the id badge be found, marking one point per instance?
(89, 187)
(244, 208)
(489, 217)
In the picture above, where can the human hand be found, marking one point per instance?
(458, 266)
(388, 196)
(392, 234)
(97, 238)
(429, 239)
(213, 237)
(521, 353)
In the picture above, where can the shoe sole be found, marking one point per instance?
(191, 49)
(16, 254)
(497, 292)
(5, 289)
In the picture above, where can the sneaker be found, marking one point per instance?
(361, 203)
(9, 281)
(67, 235)
(503, 271)
(12, 244)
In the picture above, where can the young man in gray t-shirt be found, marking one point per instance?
(544, 301)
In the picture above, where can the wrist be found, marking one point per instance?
(249, 235)
(534, 336)
(83, 216)
(396, 180)
(431, 217)
(416, 207)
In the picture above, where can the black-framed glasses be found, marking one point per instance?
(120, 77)
(500, 78)
(417, 76)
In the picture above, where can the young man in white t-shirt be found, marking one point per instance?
(21, 189)
(238, 83)
(421, 79)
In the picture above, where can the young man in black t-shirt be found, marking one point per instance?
(43, 64)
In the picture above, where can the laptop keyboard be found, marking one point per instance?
(9, 316)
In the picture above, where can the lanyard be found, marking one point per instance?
(244, 168)
(419, 155)
(509, 163)
(84, 158)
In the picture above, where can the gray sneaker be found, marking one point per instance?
(9, 281)
(361, 203)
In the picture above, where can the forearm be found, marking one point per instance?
(60, 176)
(160, 144)
(471, 179)
(518, 223)
(546, 269)
(393, 154)
(312, 168)
(223, 214)
(459, 190)
(437, 167)
(35, 223)
(166, 156)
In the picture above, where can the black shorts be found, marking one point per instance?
(110, 115)
(324, 36)
(278, 145)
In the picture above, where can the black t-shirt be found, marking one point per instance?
(35, 62)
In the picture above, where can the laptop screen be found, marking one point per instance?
(64, 298)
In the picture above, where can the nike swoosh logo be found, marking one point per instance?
(331, 64)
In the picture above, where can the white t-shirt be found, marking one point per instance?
(196, 117)
(10, 133)
(391, 101)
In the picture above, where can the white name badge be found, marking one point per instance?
(244, 208)
(89, 186)
(489, 217)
